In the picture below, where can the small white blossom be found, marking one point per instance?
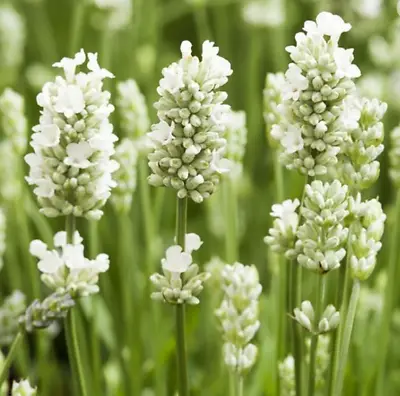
(66, 269)
(327, 24)
(181, 281)
(23, 388)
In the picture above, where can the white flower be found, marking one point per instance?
(23, 388)
(78, 154)
(46, 135)
(176, 261)
(344, 58)
(327, 24)
(66, 269)
(192, 242)
(173, 78)
(162, 132)
(292, 139)
(296, 83)
(219, 164)
(71, 167)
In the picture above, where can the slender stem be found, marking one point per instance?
(181, 350)
(345, 342)
(76, 25)
(295, 298)
(181, 224)
(10, 357)
(314, 339)
(94, 339)
(239, 385)
(389, 300)
(341, 301)
(74, 351)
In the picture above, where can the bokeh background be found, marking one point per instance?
(252, 35)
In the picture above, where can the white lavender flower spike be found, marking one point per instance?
(287, 377)
(317, 82)
(13, 119)
(188, 141)
(238, 315)
(358, 167)
(366, 233)
(66, 269)
(71, 167)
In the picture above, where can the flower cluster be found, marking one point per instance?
(305, 316)
(365, 235)
(287, 377)
(111, 14)
(188, 141)
(238, 315)
(3, 225)
(41, 315)
(12, 37)
(394, 156)
(126, 156)
(323, 233)
(13, 306)
(65, 268)
(71, 166)
(359, 168)
(236, 139)
(181, 282)
(317, 83)
(282, 235)
(13, 120)
(272, 94)
(23, 388)
(132, 108)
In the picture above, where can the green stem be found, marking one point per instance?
(388, 300)
(181, 224)
(239, 385)
(10, 357)
(76, 26)
(314, 339)
(74, 352)
(345, 342)
(94, 338)
(295, 299)
(341, 301)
